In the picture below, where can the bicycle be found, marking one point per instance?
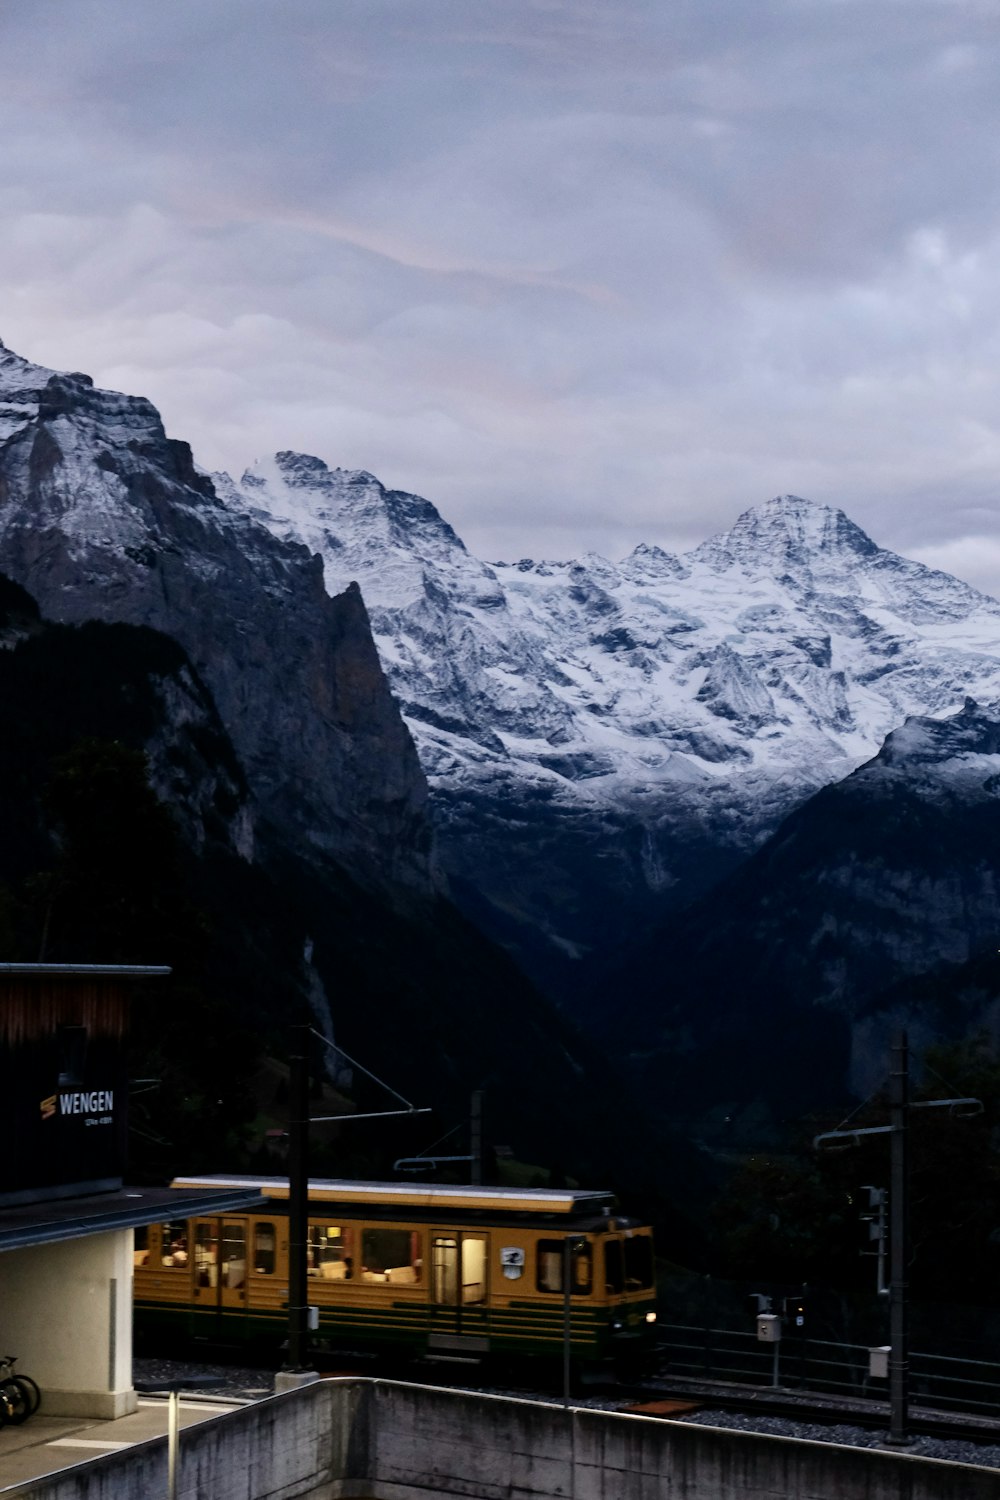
(19, 1394)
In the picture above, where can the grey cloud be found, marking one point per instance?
(584, 275)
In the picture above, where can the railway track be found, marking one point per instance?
(676, 1399)
(656, 1397)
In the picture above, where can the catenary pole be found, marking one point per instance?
(897, 1130)
(298, 1197)
(899, 1241)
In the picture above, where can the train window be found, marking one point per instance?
(614, 1266)
(140, 1246)
(444, 1268)
(391, 1255)
(174, 1244)
(473, 1269)
(263, 1249)
(639, 1263)
(330, 1253)
(234, 1253)
(206, 1253)
(549, 1267)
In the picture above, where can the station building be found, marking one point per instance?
(67, 1215)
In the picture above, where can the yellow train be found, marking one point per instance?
(423, 1270)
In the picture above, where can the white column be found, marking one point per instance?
(66, 1312)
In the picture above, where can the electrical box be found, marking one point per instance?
(769, 1328)
(878, 1362)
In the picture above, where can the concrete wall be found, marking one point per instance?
(274, 1450)
(438, 1443)
(347, 1439)
(66, 1312)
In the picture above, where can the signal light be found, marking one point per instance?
(873, 1212)
(794, 1309)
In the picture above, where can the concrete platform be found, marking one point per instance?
(44, 1445)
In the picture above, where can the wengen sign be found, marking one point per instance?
(93, 1103)
(96, 1103)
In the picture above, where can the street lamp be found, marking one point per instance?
(173, 1388)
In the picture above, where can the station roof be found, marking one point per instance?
(114, 971)
(72, 1218)
(423, 1195)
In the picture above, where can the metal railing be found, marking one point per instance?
(820, 1365)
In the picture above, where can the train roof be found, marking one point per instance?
(469, 1198)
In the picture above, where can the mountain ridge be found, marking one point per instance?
(680, 746)
(654, 718)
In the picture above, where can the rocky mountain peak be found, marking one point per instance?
(306, 494)
(647, 561)
(19, 378)
(398, 544)
(788, 533)
(13, 366)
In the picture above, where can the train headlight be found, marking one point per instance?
(650, 1317)
(617, 1326)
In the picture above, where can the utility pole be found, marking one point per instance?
(298, 1199)
(899, 1215)
(899, 1240)
(299, 1121)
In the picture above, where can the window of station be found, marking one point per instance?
(330, 1252)
(614, 1267)
(264, 1249)
(639, 1263)
(391, 1255)
(72, 1044)
(174, 1245)
(549, 1267)
(140, 1246)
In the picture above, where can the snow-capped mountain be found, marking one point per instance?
(603, 738)
(604, 741)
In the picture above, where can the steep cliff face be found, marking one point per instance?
(103, 517)
(63, 685)
(125, 815)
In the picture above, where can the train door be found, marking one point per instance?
(220, 1275)
(460, 1292)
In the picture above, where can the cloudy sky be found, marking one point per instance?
(583, 274)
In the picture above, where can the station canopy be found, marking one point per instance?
(54, 1219)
